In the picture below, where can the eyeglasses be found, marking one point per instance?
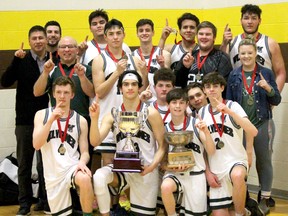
(69, 46)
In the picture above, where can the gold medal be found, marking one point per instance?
(220, 144)
(250, 100)
(61, 149)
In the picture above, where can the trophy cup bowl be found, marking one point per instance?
(179, 154)
(129, 123)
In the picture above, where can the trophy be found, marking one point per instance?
(179, 154)
(129, 123)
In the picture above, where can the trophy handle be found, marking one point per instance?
(115, 114)
(145, 115)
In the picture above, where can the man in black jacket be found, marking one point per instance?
(193, 66)
(25, 68)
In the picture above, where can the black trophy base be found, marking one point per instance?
(127, 162)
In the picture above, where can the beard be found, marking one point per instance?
(251, 32)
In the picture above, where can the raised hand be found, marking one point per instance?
(167, 30)
(20, 53)
(121, 65)
(263, 83)
(221, 107)
(79, 69)
(94, 109)
(188, 59)
(82, 47)
(160, 59)
(201, 125)
(146, 95)
(227, 36)
(141, 64)
(49, 65)
(57, 112)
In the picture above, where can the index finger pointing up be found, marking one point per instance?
(261, 76)
(86, 39)
(167, 22)
(50, 56)
(22, 46)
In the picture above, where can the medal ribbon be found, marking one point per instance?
(184, 124)
(64, 134)
(137, 109)
(183, 38)
(166, 114)
(150, 58)
(112, 56)
(63, 72)
(96, 45)
(199, 62)
(249, 88)
(243, 36)
(220, 132)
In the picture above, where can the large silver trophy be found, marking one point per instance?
(129, 123)
(179, 154)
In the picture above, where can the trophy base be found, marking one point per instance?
(178, 158)
(127, 162)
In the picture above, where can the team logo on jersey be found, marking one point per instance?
(54, 134)
(259, 49)
(227, 130)
(70, 127)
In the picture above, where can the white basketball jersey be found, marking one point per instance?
(163, 110)
(92, 51)
(195, 146)
(177, 52)
(263, 53)
(233, 150)
(57, 163)
(154, 66)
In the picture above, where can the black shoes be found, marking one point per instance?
(23, 211)
(271, 202)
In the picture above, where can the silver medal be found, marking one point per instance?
(198, 76)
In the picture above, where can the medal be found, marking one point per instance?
(250, 100)
(198, 76)
(220, 144)
(61, 149)
(249, 89)
(62, 134)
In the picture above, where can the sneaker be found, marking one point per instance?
(252, 206)
(271, 200)
(23, 211)
(264, 206)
